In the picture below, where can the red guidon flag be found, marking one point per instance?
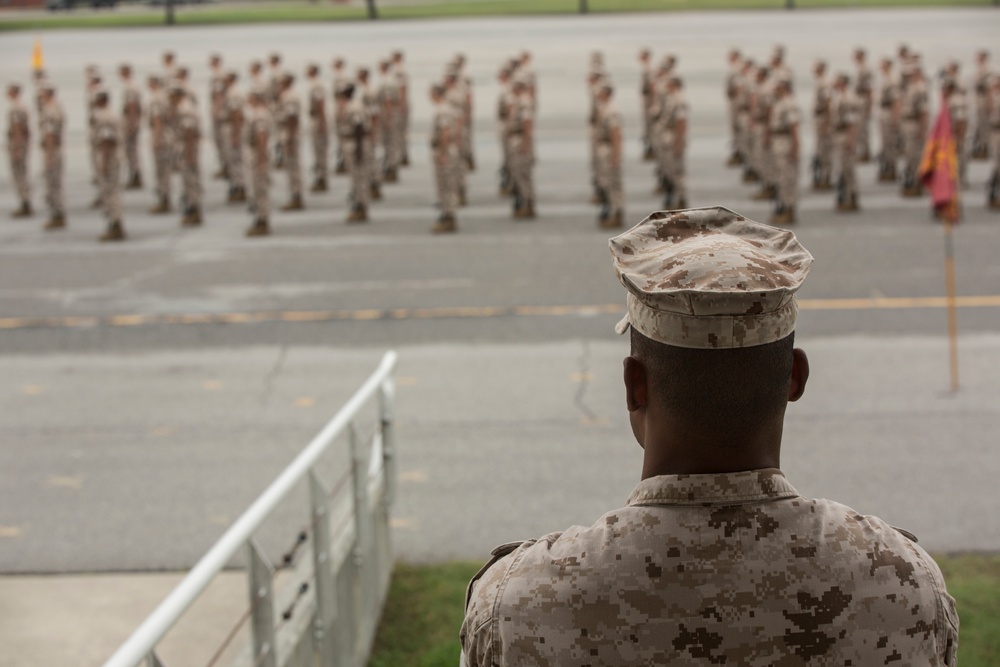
(939, 167)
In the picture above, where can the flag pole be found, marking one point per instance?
(949, 269)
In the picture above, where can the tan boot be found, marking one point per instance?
(192, 218)
(319, 185)
(613, 221)
(294, 204)
(359, 214)
(764, 194)
(260, 227)
(114, 232)
(375, 192)
(526, 212)
(162, 207)
(57, 221)
(445, 225)
(24, 211)
(390, 176)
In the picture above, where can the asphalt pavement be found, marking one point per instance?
(149, 391)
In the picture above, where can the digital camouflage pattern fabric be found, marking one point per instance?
(709, 278)
(724, 569)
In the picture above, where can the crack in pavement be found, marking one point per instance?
(272, 375)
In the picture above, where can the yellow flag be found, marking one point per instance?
(37, 61)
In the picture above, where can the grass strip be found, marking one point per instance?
(424, 611)
(290, 12)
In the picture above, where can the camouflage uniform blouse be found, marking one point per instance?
(734, 569)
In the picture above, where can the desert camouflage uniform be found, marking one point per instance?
(744, 138)
(217, 98)
(51, 126)
(888, 118)
(958, 108)
(981, 86)
(108, 142)
(403, 85)
(258, 138)
(522, 151)
(391, 122)
(760, 110)
(374, 129)
(319, 132)
(354, 130)
(446, 152)
(454, 96)
(161, 137)
(288, 113)
(670, 155)
(18, 141)
(231, 127)
(784, 133)
(188, 126)
(608, 173)
(733, 568)
(823, 161)
(864, 90)
(464, 87)
(844, 114)
(993, 122)
(505, 106)
(132, 121)
(913, 114)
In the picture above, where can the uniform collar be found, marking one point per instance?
(718, 489)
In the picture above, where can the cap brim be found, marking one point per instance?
(623, 325)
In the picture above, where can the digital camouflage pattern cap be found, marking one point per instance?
(709, 278)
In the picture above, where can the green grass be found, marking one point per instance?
(297, 11)
(424, 612)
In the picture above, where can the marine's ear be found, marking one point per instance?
(636, 384)
(800, 375)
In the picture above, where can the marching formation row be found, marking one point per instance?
(257, 128)
(766, 123)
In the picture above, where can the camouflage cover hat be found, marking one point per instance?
(709, 278)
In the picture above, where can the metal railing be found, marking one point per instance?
(333, 601)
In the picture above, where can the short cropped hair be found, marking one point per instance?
(721, 390)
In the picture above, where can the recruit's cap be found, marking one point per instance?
(709, 278)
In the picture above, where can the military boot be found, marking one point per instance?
(405, 161)
(390, 175)
(734, 160)
(527, 210)
(764, 194)
(192, 218)
(341, 168)
(57, 221)
(134, 182)
(358, 214)
(260, 227)
(163, 206)
(611, 221)
(647, 154)
(375, 191)
(445, 225)
(294, 204)
(750, 176)
(97, 202)
(682, 203)
(462, 201)
(470, 163)
(114, 232)
(24, 211)
(319, 185)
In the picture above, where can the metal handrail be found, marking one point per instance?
(139, 645)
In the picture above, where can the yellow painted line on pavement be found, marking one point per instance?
(449, 312)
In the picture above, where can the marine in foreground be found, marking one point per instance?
(716, 558)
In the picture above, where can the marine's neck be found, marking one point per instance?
(679, 449)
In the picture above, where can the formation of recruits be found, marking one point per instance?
(516, 110)
(256, 128)
(253, 131)
(766, 122)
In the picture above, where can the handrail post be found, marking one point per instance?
(326, 601)
(261, 606)
(359, 482)
(387, 410)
